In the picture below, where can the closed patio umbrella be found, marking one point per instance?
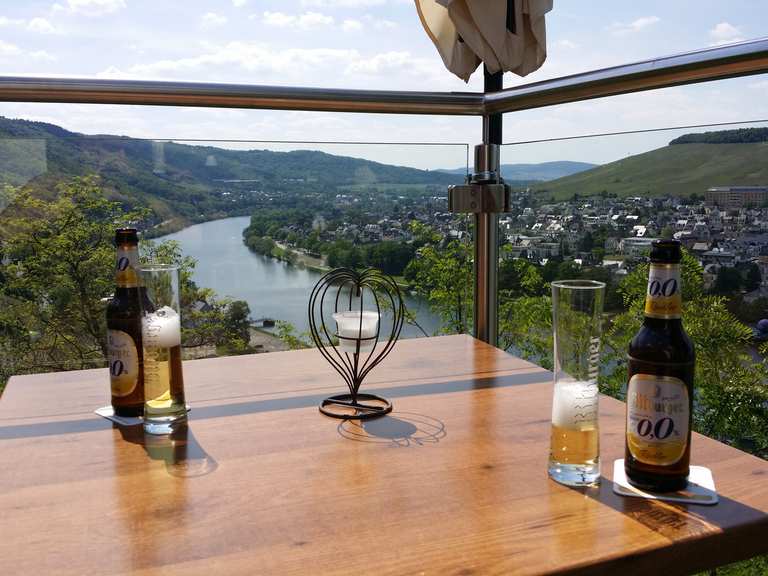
(506, 35)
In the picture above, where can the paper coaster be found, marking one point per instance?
(108, 413)
(700, 489)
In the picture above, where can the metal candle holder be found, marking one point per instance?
(354, 365)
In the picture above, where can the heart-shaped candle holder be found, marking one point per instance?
(357, 345)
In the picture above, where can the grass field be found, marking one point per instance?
(678, 170)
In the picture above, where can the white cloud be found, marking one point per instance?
(92, 7)
(725, 33)
(342, 3)
(249, 56)
(386, 63)
(239, 3)
(277, 19)
(350, 25)
(211, 19)
(43, 56)
(378, 23)
(567, 44)
(41, 25)
(10, 22)
(306, 21)
(620, 28)
(7, 49)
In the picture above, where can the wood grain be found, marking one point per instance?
(453, 482)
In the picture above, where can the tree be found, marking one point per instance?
(520, 278)
(444, 276)
(731, 398)
(727, 281)
(754, 278)
(59, 268)
(58, 272)
(237, 325)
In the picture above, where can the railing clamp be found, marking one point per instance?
(485, 191)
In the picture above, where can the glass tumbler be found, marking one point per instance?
(164, 403)
(577, 308)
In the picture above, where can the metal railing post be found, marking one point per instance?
(486, 232)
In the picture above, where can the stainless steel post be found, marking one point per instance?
(486, 228)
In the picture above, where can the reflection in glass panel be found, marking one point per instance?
(253, 225)
(584, 208)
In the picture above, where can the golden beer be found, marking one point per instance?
(574, 445)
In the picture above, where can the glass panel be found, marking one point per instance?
(254, 226)
(584, 208)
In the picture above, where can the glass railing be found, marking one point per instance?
(589, 208)
(253, 225)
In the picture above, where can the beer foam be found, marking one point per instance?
(162, 328)
(574, 405)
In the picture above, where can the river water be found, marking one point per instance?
(273, 289)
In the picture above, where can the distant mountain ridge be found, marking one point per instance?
(688, 165)
(541, 171)
(182, 183)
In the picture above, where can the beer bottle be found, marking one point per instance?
(660, 388)
(124, 329)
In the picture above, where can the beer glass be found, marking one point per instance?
(164, 404)
(577, 307)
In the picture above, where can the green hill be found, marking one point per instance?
(182, 183)
(679, 169)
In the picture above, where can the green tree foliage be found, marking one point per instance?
(57, 272)
(287, 333)
(739, 136)
(443, 274)
(731, 402)
(754, 278)
(727, 281)
(58, 269)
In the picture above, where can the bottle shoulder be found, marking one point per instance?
(662, 341)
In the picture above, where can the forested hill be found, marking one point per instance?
(740, 136)
(184, 183)
(688, 165)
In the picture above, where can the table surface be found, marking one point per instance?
(453, 482)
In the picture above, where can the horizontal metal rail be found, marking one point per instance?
(201, 94)
(715, 63)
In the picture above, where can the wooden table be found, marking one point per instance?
(453, 482)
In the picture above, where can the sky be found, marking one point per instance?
(377, 44)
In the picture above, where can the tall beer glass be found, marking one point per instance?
(164, 404)
(577, 308)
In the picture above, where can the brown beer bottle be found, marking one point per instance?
(660, 388)
(124, 329)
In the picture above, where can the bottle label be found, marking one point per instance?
(126, 266)
(123, 362)
(663, 299)
(657, 418)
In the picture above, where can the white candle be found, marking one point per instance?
(349, 325)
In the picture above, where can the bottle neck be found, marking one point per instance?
(663, 301)
(127, 266)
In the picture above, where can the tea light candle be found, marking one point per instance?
(349, 325)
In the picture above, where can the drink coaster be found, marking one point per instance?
(108, 413)
(700, 489)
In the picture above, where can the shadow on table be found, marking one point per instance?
(676, 520)
(286, 403)
(182, 454)
(397, 429)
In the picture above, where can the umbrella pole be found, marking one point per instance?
(486, 227)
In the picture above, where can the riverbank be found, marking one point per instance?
(272, 288)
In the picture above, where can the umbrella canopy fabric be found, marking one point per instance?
(507, 35)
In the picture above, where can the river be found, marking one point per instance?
(273, 289)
